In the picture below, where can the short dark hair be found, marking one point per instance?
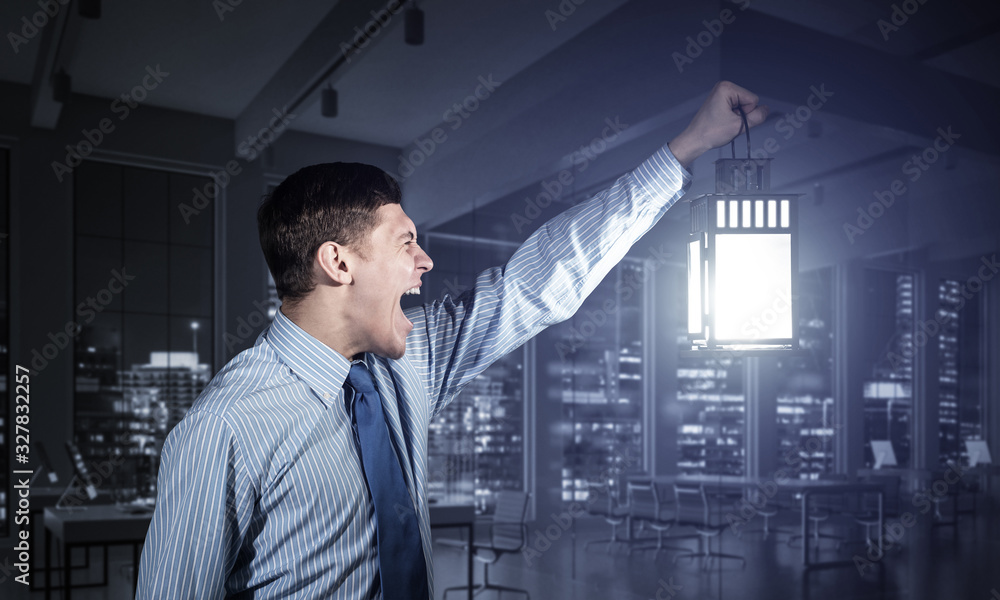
(327, 202)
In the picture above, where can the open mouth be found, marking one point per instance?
(412, 292)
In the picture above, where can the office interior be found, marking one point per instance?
(136, 140)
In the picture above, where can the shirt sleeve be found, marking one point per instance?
(194, 538)
(544, 282)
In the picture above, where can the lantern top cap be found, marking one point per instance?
(734, 175)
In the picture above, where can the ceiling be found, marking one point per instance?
(560, 77)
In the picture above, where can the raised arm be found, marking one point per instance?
(550, 275)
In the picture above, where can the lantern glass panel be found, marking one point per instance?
(753, 282)
(694, 287)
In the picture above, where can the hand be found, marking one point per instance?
(717, 122)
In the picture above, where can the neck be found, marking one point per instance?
(322, 320)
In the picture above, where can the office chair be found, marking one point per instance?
(609, 510)
(508, 534)
(646, 506)
(694, 510)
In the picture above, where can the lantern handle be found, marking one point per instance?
(745, 127)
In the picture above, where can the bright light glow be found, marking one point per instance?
(720, 213)
(785, 209)
(746, 214)
(772, 213)
(758, 213)
(753, 282)
(734, 207)
(694, 287)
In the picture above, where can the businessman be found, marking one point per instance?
(301, 471)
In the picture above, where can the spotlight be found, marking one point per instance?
(414, 26)
(328, 103)
(61, 86)
(89, 9)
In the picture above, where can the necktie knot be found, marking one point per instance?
(360, 379)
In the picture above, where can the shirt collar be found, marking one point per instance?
(322, 368)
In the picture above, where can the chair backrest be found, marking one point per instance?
(600, 499)
(643, 500)
(692, 504)
(508, 520)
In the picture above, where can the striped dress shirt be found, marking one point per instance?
(261, 492)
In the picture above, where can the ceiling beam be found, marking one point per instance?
(337, 43)
(784, 60)
(57, 43)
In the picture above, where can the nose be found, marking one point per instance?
(424, 262)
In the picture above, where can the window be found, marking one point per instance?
(888, 394)
(144, 276)
(476, 446)
(805, 409)
(600, 359)
(960, 410)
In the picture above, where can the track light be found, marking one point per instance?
(90, 9)
(61, 86)
(328, 102)
(414, 26)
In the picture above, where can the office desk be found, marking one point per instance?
(806, 487)
(457, 515)
(101, 525)
(107, 526)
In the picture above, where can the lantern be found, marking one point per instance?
(743, 262)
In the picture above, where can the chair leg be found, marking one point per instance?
(486, 585)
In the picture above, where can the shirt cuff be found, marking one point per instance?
(662, 177)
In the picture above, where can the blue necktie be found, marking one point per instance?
(402, 569)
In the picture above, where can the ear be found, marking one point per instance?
(332, 260)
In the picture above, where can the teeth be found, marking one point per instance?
(412, 291)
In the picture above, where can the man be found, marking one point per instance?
(300, 472)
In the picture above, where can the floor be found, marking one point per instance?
(929, 561)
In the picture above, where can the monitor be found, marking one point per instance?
(884, 455)
(979, 452)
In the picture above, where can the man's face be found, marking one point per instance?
(393, 268)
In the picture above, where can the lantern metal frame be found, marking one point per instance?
(742, 206)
